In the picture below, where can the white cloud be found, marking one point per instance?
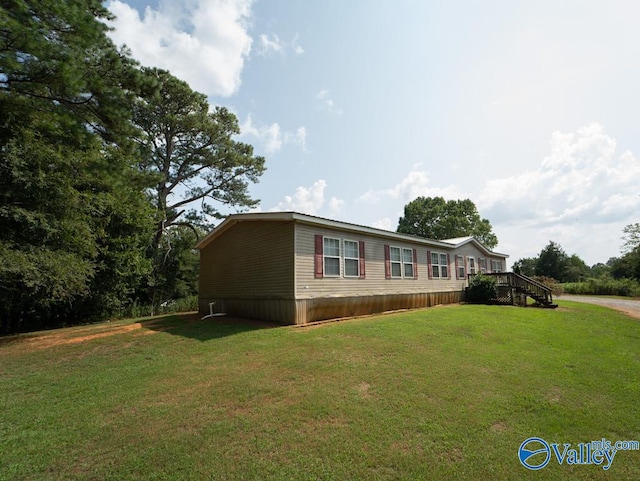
(204, 42)
(295, 45)
(336, 207)
(327, 103)
(270, 44)
(270, 137)
(304, 200)
(273, 44)
(300, 138)
(414, 185)
(311, 200)
(580, 180)
(385, 224)
(581, 195)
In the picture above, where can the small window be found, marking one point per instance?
(444, 266)
(396, 261)
(460, 266)
(351, 259)
(439, 266)
(496, 266)
(472, 266)
(483, 265)
(435, 265)
(407, 263)
(331, 257)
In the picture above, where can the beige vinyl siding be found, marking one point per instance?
(375, 283)
(470, 250)
(253, 259)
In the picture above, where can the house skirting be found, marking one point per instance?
(302, 311)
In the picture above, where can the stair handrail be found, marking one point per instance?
(546, 290)
(532, 281)
(520, 280)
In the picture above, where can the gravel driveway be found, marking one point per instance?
(628, 306)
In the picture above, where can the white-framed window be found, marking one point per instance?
(331, 257)
(395, 257)
(460, 267)
(482, 263)
(439, 266)
(407, 263)
(472, 265)
(336, 257)
(496, 266)
(351, 259)
(400, 262)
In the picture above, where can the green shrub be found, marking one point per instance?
(185, 304)
(605, 286)
(481, 289)
(556, 288)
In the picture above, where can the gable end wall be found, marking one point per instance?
(251, 260)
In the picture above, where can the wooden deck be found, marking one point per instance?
(511, 286)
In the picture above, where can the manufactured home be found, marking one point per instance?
(294, 268)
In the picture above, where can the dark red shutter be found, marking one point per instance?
(449, 265)
(361, 255)
(415, 264)
(430, 269)
(319, 272)
(387, 262)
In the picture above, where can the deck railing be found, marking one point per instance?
(524, 284)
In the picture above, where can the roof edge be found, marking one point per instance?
(334, 224)
(460, 241)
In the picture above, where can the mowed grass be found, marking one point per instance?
(441, 393)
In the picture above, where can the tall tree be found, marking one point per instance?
(178, 276)
(525, 266)
(631, 237)
(71, 227)
(552, 262)
(628, 265)
(575, 269)
(72, 212)
(435, 218)
(56, 56)
(190, 150)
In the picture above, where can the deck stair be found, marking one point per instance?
(520, 284)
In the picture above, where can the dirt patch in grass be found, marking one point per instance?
(452, 456)
(498, 427)
(363, 389)
(173, 323)
(76, 335)
(65, 338)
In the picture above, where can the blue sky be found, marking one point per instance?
(530, 109)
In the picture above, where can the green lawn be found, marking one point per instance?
(441, 393)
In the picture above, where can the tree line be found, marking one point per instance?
(439, 219)
(553, 262)
(109, 170)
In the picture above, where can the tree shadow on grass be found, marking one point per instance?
(192, 326)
